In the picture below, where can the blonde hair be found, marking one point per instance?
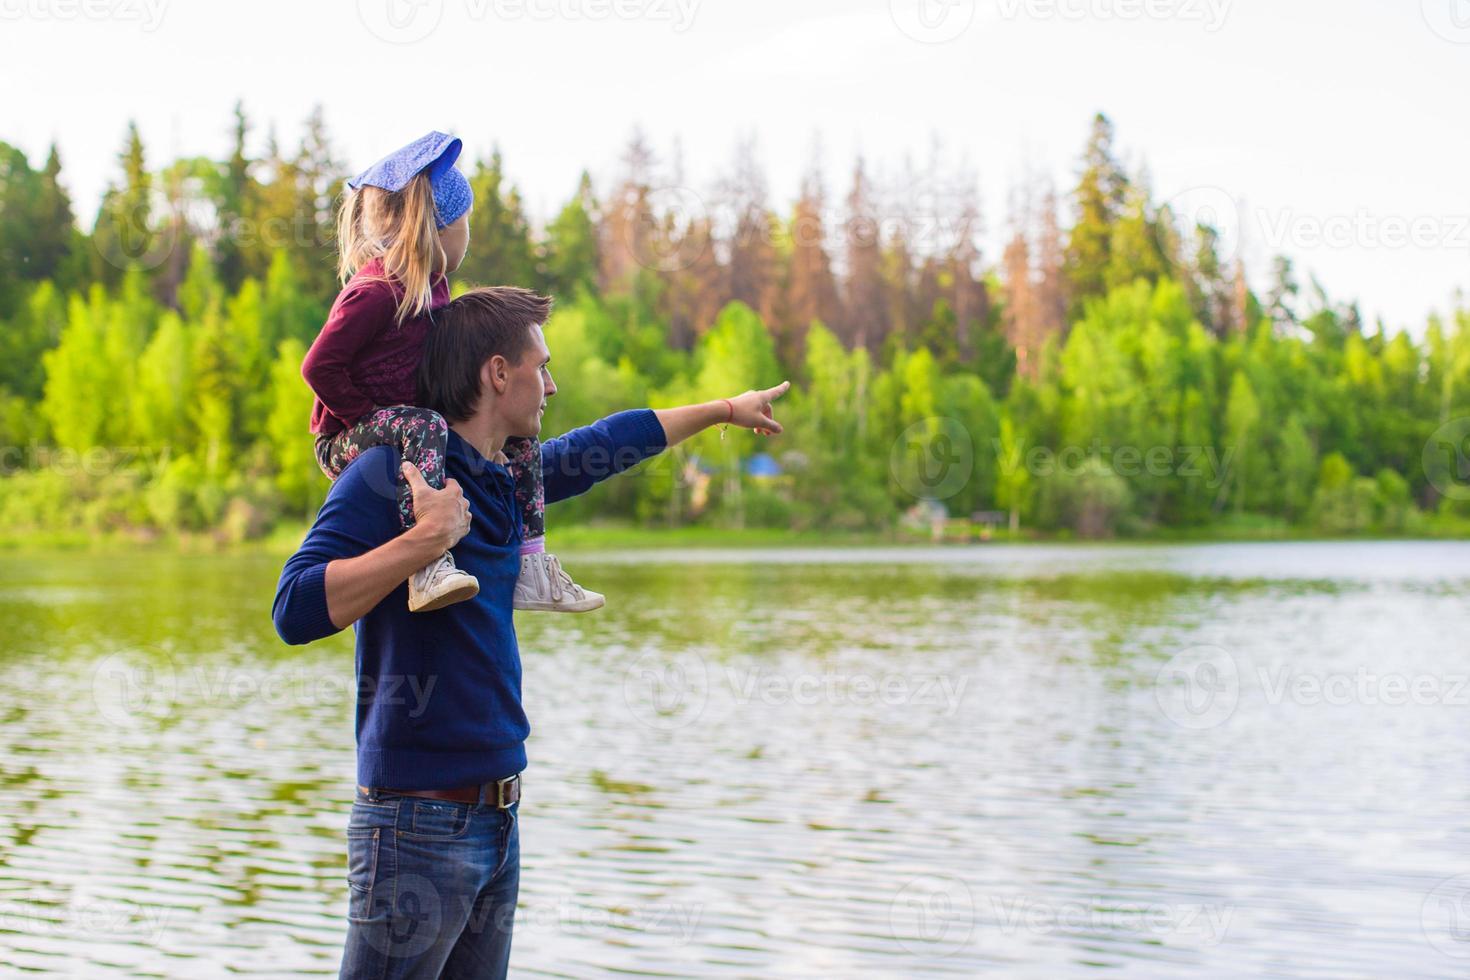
(400, 228)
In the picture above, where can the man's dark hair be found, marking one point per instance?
(467, 332)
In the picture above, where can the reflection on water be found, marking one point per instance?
(1038, 761)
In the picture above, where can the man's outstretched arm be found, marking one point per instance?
(751, 410)
(573, 463)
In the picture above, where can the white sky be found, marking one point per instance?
(1334, 131)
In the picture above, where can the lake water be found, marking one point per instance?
(1069, 761)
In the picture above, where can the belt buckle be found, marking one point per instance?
(502, 787)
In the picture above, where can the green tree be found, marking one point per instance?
(500, 250)
(160, 397)
(1242, 419)
(125, 231)
(1099, 200)
(297, 476)
(569, 259)
(35, 328)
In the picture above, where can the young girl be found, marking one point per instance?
(403, 227)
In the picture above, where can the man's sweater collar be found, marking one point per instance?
(473, 463)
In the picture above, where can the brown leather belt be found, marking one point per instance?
(505, 792)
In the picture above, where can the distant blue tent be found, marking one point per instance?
(703, 467)
(762, 464)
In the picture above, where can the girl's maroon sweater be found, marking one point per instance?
(363, 359)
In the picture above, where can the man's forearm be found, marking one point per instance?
(355, 585)
(689, 420)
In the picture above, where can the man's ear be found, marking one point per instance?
(492, 375)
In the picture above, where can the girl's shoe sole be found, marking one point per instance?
(460, 594)
(556, 607)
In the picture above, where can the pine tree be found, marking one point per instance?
(38, 236)
(569, 256)
(1281, 299)
(1022, 323)
(124, 233)
(1099, 200)
(500, 234)
(1051, 278)
(234, 201)
(753, 266)
(318, 183)
(1137, 249)
(811, 295)
(697, 288)
(865, 319)
(968, 295)
(626, 232)
(1210, 291)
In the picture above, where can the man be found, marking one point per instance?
(433, 850)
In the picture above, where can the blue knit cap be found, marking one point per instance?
(435, 153)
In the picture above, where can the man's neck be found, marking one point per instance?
(482, 433)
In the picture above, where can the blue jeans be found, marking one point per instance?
(432, 888)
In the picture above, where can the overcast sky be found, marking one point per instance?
(1334, 131)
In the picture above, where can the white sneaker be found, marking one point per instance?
(439, 584)
(544, 587)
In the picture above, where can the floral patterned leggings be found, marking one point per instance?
(422, 438)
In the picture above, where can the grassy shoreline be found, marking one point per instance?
(614, 536)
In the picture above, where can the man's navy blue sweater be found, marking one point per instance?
(439, 693)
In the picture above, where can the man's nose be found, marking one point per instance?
(550, 386)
